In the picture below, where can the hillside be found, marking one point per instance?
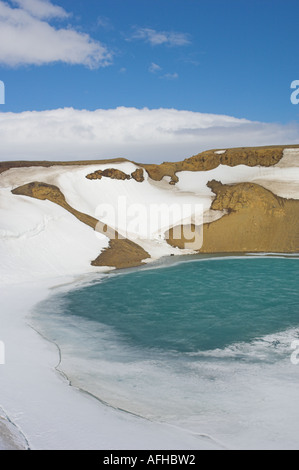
(74, 217)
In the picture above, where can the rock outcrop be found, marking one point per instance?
(257, 215)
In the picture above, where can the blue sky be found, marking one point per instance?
(228, 57)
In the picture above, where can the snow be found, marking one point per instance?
(39, 239)
(42, 246)
(55, 235)
(10, 437)
(290, 158)
(94, 196)
(53, 242)
(50, 413)
(114, 197)
(282, 179)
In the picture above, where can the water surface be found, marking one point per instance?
(204, 345)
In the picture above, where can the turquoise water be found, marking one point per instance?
(204, 345)
(195, 306)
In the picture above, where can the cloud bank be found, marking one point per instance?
(41, 8)
(156, 38)
(144, 135)
(26, 38)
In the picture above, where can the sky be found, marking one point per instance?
(151, 80)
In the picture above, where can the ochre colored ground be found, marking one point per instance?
(208, 160)
(257, 221)
(4, 166)
(115, 174)
(121, 253)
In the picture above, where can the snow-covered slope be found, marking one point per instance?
(39, 238)
(43, 243)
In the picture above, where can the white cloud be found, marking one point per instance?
(26, 39)
(105, 23)
(156, 38)
(154, 68)
(170, 76)
(138, 134)
(42, 8)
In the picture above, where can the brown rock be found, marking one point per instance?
(121, 253)
(137, 175)
(112, 173)
(257, 221)
(208, 160)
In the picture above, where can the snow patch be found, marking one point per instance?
(281, 180)
(39, 239)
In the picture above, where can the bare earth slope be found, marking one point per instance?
(250, 200)
(121, 253)
(257, 221)
(210, 159)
